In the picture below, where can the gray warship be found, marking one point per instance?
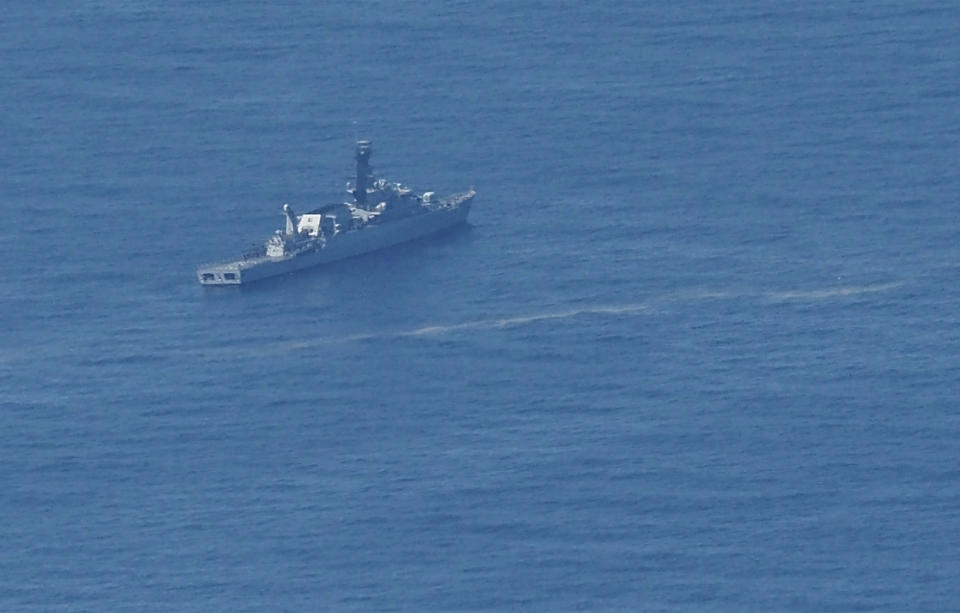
(382, 214)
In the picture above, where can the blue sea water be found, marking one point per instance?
(699, 349)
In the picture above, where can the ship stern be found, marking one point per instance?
(220, 274)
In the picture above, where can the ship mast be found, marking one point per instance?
(291, 228)
(362, 155)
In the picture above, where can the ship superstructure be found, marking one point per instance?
(381, 214)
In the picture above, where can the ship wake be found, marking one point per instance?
(651, 304)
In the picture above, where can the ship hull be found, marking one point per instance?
(368, 239)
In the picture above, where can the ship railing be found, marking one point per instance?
(254, 253)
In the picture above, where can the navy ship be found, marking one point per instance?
(382, 214)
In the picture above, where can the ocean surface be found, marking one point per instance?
(698, 349)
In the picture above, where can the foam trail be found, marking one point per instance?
(627, 309)
(259, 349)
(621, 309)
(821, 294)
(500, 322)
